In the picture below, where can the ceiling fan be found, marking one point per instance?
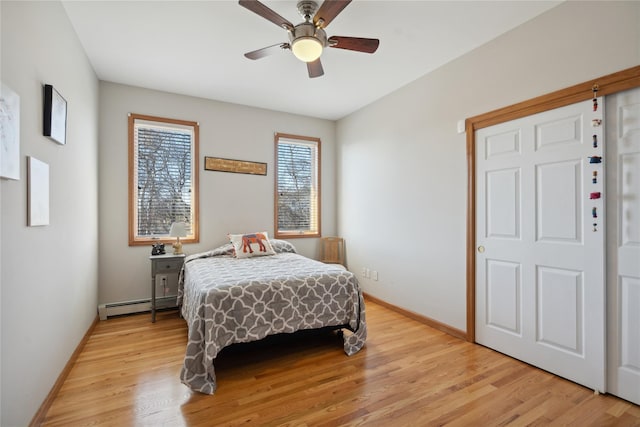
(308, 39)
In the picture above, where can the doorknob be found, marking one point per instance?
(481, 249)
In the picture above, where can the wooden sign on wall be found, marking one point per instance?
(235, 166)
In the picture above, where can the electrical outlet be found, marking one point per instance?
(374, 275)
(161, 285)
(364, 272)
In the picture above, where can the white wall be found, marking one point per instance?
(402, 165)
(229, 202)
(49, 274)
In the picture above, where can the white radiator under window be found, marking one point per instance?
(131, 307)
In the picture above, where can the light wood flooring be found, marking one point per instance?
(408, 374)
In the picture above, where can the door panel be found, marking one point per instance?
(629, 321)
(540, 266)
(560, 307)
(503, 200)
(558, 193)
(630, 189)
(564, 131)
(623, 246)
(502, 144)
(504, 296)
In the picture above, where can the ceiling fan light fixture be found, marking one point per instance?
(306, 48)
(308, 39)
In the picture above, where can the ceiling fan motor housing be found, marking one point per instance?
(308, 30)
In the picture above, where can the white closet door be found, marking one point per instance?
(623, 244)
(540, 266)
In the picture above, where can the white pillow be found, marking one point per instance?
(280, 246)
(251, 244)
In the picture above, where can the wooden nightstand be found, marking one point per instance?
(167, 268)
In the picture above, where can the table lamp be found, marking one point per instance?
(177, 230)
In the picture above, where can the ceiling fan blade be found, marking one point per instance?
(315, 68)
(354, 43)
(329, 10)
(265, 51)
(260, 9)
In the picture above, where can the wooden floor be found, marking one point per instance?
(407, 375)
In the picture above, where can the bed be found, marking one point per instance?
(226, 300)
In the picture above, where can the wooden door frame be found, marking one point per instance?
(612, 83)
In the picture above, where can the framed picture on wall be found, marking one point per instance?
(55, 115)
(9, 133)
(37, 192)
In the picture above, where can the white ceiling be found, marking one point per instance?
(196, 48)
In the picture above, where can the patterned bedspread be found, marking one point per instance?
(226, 300)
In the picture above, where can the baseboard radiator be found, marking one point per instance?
(132, 307)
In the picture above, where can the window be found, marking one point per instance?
(297, 200)
(163, 178)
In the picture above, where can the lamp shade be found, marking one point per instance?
(307, 49)
(178, 229)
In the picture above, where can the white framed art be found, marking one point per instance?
(9, 133)
(38, 192)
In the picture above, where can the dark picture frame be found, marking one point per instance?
(220, 164)
(55, 115)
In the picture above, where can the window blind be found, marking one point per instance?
(297, 186)
(164, 182)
